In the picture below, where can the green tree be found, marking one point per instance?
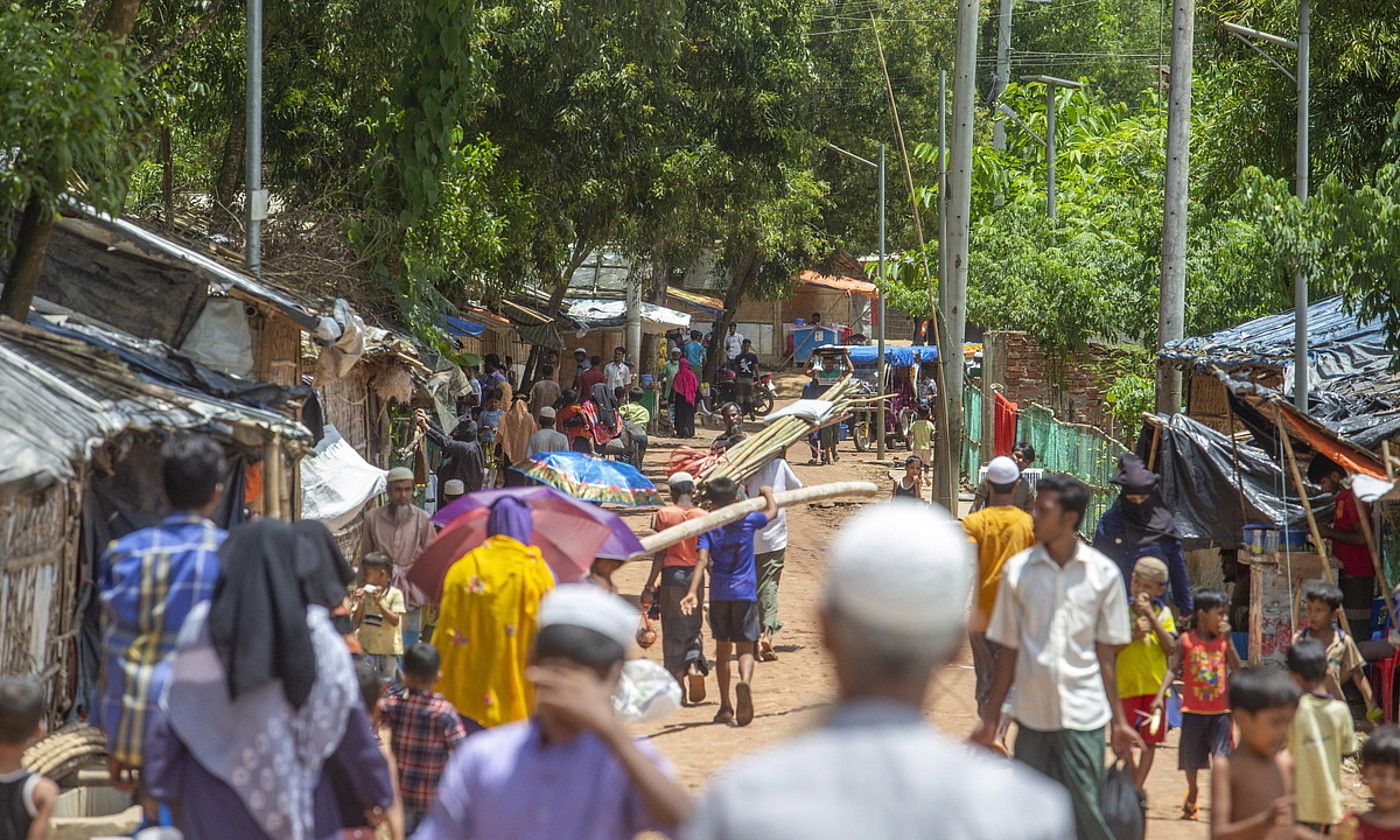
(65, 104)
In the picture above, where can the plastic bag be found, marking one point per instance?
(645, 692)
(1124, 804)
(646, 633)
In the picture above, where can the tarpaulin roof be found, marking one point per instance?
(704, 303)
(868, 354)
(462, 327)
(1199, 484)
(612, 314)
(60, 398)
(1341, 348)
(849, 285)
(122, 233)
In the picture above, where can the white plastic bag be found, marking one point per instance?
(646, 692)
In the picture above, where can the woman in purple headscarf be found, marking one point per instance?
(510, 517)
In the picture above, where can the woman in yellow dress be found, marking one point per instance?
(490, 603)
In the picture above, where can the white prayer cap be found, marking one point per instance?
(681, 477)
(1003, 470)
(454, 487)
(591, 607)
(902, 569)
(400, 474)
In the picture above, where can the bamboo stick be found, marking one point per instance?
(1308, 511)
(1369, 534)
(738, 510)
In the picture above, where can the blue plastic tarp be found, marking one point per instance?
(460, 327)
(866, 355)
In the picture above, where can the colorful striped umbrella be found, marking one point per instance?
(592, 479)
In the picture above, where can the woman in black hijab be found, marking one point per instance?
(262, 702)
(1141, 524)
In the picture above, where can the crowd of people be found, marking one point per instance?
(257, 684)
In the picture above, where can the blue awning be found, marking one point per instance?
(867, 354)
(459, 327)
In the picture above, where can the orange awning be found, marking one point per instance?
(1322, 440)
(849, 285)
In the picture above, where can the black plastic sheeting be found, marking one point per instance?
(165, 366)
(1197, 465)
(1354, 389)
(114, 505)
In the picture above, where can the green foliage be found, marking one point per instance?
(1346, 239)
(65, 107)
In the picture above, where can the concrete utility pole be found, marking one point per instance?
(1003, 76)
(942, 193)
(1171, 305)
(1303, 46)
(1050, 83)
(634, 320)
(959, 228)
(880, 333)
(256, 195)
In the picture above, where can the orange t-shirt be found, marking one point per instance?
(684, 552)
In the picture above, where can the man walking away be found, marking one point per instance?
(770, 549)
(890, 617)
(1061, 616)
(746, 368)
(151, 580)
(727, 552)
(547, 439)
(545, 391)
(682, 642)
(1000, 531)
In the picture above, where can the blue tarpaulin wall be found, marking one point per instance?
(866, 355)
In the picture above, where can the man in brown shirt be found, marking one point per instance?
(400, 530)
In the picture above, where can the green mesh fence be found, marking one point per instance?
(972, 419)
(1081, 451)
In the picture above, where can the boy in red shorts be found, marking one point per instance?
(1142, 664)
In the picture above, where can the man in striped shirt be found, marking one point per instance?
(150, 580)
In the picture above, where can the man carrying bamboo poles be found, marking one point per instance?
(728, 553)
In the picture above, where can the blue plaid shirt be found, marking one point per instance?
(151, 580)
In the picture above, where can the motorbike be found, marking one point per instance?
(765, 393)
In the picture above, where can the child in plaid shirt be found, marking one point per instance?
(424, 730)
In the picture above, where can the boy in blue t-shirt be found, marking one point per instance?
(727, 552)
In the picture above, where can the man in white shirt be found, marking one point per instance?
(891, 616)
(1061, 616)
(770, 550)
(733, 343)
(617, 373)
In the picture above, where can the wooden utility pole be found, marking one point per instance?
(1171, 307)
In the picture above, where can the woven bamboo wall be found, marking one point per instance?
(276, 347)
(39, 535)
(350, 407)
(1208, 402)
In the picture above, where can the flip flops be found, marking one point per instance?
(695, 686)
(743, 696)
(725, 715)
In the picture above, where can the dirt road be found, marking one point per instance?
(791, 694)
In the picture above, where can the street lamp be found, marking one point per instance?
(1303, 47)
(1003, 74)
(1050, 83)
(880, 329)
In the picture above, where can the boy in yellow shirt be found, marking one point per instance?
(1001, 531)
(1142, 663)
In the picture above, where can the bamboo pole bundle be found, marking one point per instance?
(749, 456)
(738, 510)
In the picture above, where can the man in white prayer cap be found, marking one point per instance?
(400, 529)
(571, 769)
(892, 614)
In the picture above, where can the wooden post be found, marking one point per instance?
(1389, 467)
(1307, 510)
(1370, 536)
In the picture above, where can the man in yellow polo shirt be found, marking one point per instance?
(1001, 531)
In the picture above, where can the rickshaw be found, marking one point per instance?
(908, 381)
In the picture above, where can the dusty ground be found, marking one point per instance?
(790, 694)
